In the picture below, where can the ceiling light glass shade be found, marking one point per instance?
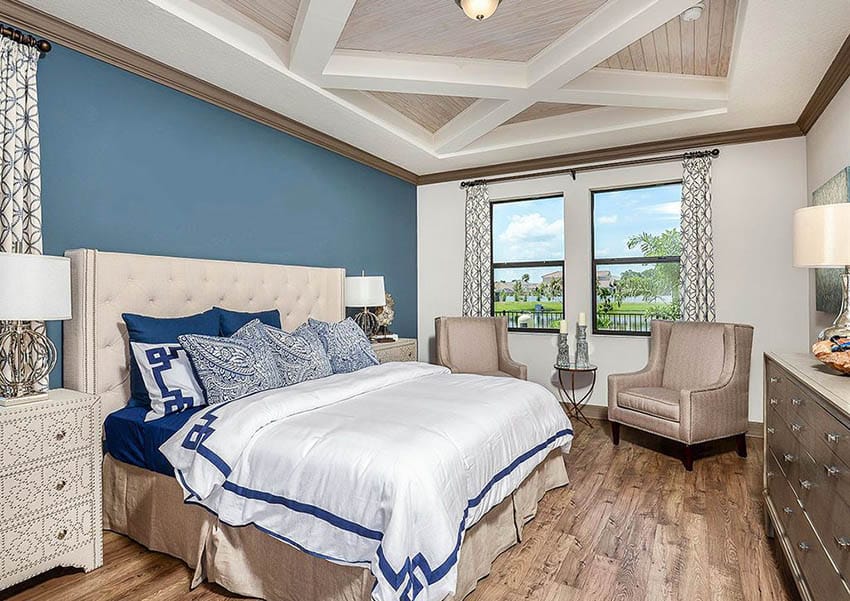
(693, 13)
(478, 9)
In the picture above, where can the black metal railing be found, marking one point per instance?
(538, 320)
(623, 321)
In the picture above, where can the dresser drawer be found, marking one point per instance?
(37, 541)
(30, 435)
(784, 446)
(830, 432)
(820, 576)
(784, 501)
(44, 486)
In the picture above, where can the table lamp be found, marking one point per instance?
(365, 291)
(32, 288)
(822, 239)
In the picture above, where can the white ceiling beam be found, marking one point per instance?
(370, 107)
(316, 30)
(416, 74)
(608, 30)
(639, 89)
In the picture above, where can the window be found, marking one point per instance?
(528, 262)
(636, 249)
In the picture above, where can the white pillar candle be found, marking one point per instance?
(582, 319)
(564, 327)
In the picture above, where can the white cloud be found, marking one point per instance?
(665, 209)
(531, 236)
(608, 219)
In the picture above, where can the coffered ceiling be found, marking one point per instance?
(418, 84)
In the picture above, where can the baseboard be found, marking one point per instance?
(600, 412)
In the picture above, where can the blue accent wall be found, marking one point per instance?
(132, 166)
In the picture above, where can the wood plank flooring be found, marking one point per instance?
(632, 526)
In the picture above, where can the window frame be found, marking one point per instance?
(595, 263)
(519, 264)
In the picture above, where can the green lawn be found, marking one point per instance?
(527, 306)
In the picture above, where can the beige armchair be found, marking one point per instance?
(694, 389)
(476, 345)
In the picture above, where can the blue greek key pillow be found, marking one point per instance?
(231, 368)
(299, 356)
(168, 378)
(347, 346)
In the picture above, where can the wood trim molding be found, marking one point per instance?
(740, 136)
(42, 24)
(600, 413)
(833, 79)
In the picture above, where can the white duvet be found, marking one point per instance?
(383, 468)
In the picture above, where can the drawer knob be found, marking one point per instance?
(807, 484)
(60, 485)
(773, 402)
(796, 427)
(787, 510)
(843, 542)
(774, 379)
(771, 430)
(788, 457)
(832, 437)
(62, 534)
(832, 471)
(796, 402)
(60, 435)
(803, 546)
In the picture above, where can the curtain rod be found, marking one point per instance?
(572, 171)
(27, 40)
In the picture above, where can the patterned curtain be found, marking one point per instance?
(477, 284)
(20, 173)
(697, 276)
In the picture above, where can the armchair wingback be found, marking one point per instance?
(476, 345)
(695, 387)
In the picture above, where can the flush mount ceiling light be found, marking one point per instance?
(694, 12)
(478, 9)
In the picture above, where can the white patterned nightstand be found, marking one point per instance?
(50, 490)
(404, 349)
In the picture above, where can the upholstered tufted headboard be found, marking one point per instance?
(104, 285)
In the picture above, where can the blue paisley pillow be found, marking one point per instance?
(299, 356)
(231, 368)
(346, 345)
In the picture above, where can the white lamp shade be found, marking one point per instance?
(365, 291)
(34, 287)
(822, 236)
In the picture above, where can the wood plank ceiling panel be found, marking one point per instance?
(541, 110)
(430, 111)
(277, 16)
(701, 47)
(518, 30)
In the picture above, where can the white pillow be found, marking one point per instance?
(168, 377)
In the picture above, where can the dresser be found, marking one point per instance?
(50, 491)
(807, 472)
(403, 349)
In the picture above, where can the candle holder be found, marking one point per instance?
(582, 354)
(563, 351)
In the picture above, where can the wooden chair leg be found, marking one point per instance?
(615, 432)
(688, 457)
(741, 440)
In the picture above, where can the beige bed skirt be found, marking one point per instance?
(148, 507)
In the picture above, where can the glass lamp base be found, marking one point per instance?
(368, 322)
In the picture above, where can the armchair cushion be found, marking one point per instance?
(695, 356)
(658, 402)
(473, 345)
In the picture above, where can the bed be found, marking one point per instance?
(144, 500)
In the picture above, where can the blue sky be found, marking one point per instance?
(619, 214)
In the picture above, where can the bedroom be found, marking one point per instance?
(588, 228)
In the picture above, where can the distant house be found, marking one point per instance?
(603, 276)
(551, 277)
(499, 286)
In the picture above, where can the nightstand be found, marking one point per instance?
(50, 489)
(403, 349)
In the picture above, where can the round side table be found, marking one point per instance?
(570, 392)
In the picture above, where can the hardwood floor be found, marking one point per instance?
(632, 526)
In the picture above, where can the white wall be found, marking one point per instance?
(827, 152)
(756, 188)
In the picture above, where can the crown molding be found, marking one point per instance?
(740, 136)
(833, 79)
(39, 23)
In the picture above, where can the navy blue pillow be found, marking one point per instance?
(231, 321)
(162, 329)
